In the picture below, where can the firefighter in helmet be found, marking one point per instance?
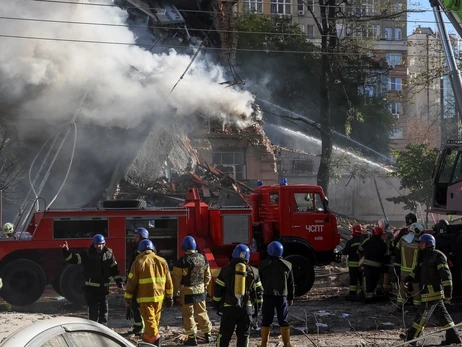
(237, 289)
(8, 230)
(409, 219)
(191, 277)
(278, 285)
(99, 265)
(408, 248)
(434, 278)
(384, 287)
(373, 249)
(134, 311)
(150, 279)
(351, 250)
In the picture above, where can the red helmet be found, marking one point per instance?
(378, 231)
(356, 230)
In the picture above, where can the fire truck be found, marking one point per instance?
(296, 215)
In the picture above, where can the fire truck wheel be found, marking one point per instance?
(128, 203)
(303, 272)
(24, 282)
(71, 282)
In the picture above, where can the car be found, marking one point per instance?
(66, 332)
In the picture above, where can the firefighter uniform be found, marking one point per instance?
(191, 277)
(236, 308)
(278, 292)
(351, 250)
(374, 249)
(434, 277)
(408, 253)
(149, 277)
(98, 268)
(138, 324)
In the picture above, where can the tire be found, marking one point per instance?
(303, 272)
(24, 282)
(71, 282)
(129, 203)
(57, 287)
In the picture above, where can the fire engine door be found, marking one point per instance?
(308, 219)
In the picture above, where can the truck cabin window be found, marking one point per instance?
(308, 202)
(274, 198)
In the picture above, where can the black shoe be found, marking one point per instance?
(157, 343)
(191, 341)
(208, 338)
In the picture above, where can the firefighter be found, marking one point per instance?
(408, 248)
(434, 278)
(278, 284)
(150, 279)
(134, 311)
(351, 250)
(99, 265)
(384, 287)
(373, 248)
(237, 289)
(191, 277)
(409, 219)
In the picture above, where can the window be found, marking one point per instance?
(301, 27)
(397, 134)
(302, 165)
(394, 83)
(457, 176)
(365, 7)
(64, 228)
(230, 161)
(393, 59)
(395, 108)
(398, 35)
(310, 5)
(368, 90)
(253, 6)
(373, 31)
(304, 202)
(280, 6)
(318, 203)
(300, 5)
(91, 339)
(274, 198)
(388, 33)
(310, 31)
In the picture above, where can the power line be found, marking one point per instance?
(54, 21)
(189, 47)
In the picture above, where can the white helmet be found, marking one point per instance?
(7, 229)
(416, 228)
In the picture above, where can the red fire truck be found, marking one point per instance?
(296, 215)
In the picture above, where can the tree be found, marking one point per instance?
(414, 168)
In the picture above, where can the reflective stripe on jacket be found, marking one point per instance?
(150, 278)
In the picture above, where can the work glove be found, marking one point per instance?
(128, 313)
(169, 302)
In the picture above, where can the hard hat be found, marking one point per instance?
(8, 228)
(143, 233)
(378, 231)
(441, 227)
(145, 245)
(356, 230)
(283, 181)
(275, 249)
(188, 244)
(98, 239)
(416, 228)
(383, 223)
(428, 239)
(241, 251)
(410, 218)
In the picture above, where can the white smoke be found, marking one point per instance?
(125, 84)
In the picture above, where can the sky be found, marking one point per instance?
(424, 19)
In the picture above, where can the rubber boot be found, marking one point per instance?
(265, 333)
(208, 338)
(191, 341)
(285, 333)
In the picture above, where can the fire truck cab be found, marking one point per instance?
(296, 215)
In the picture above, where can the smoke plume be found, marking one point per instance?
(124, 83)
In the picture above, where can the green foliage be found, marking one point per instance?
(414, 168)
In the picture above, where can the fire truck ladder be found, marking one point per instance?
(31, 202)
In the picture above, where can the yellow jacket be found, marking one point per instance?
(150, 278)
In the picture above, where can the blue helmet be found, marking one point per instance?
(275, 249)
(145, 245)
(241, 251)
(143, 233)
(98, 239)
(428, 239)
(188, 244)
